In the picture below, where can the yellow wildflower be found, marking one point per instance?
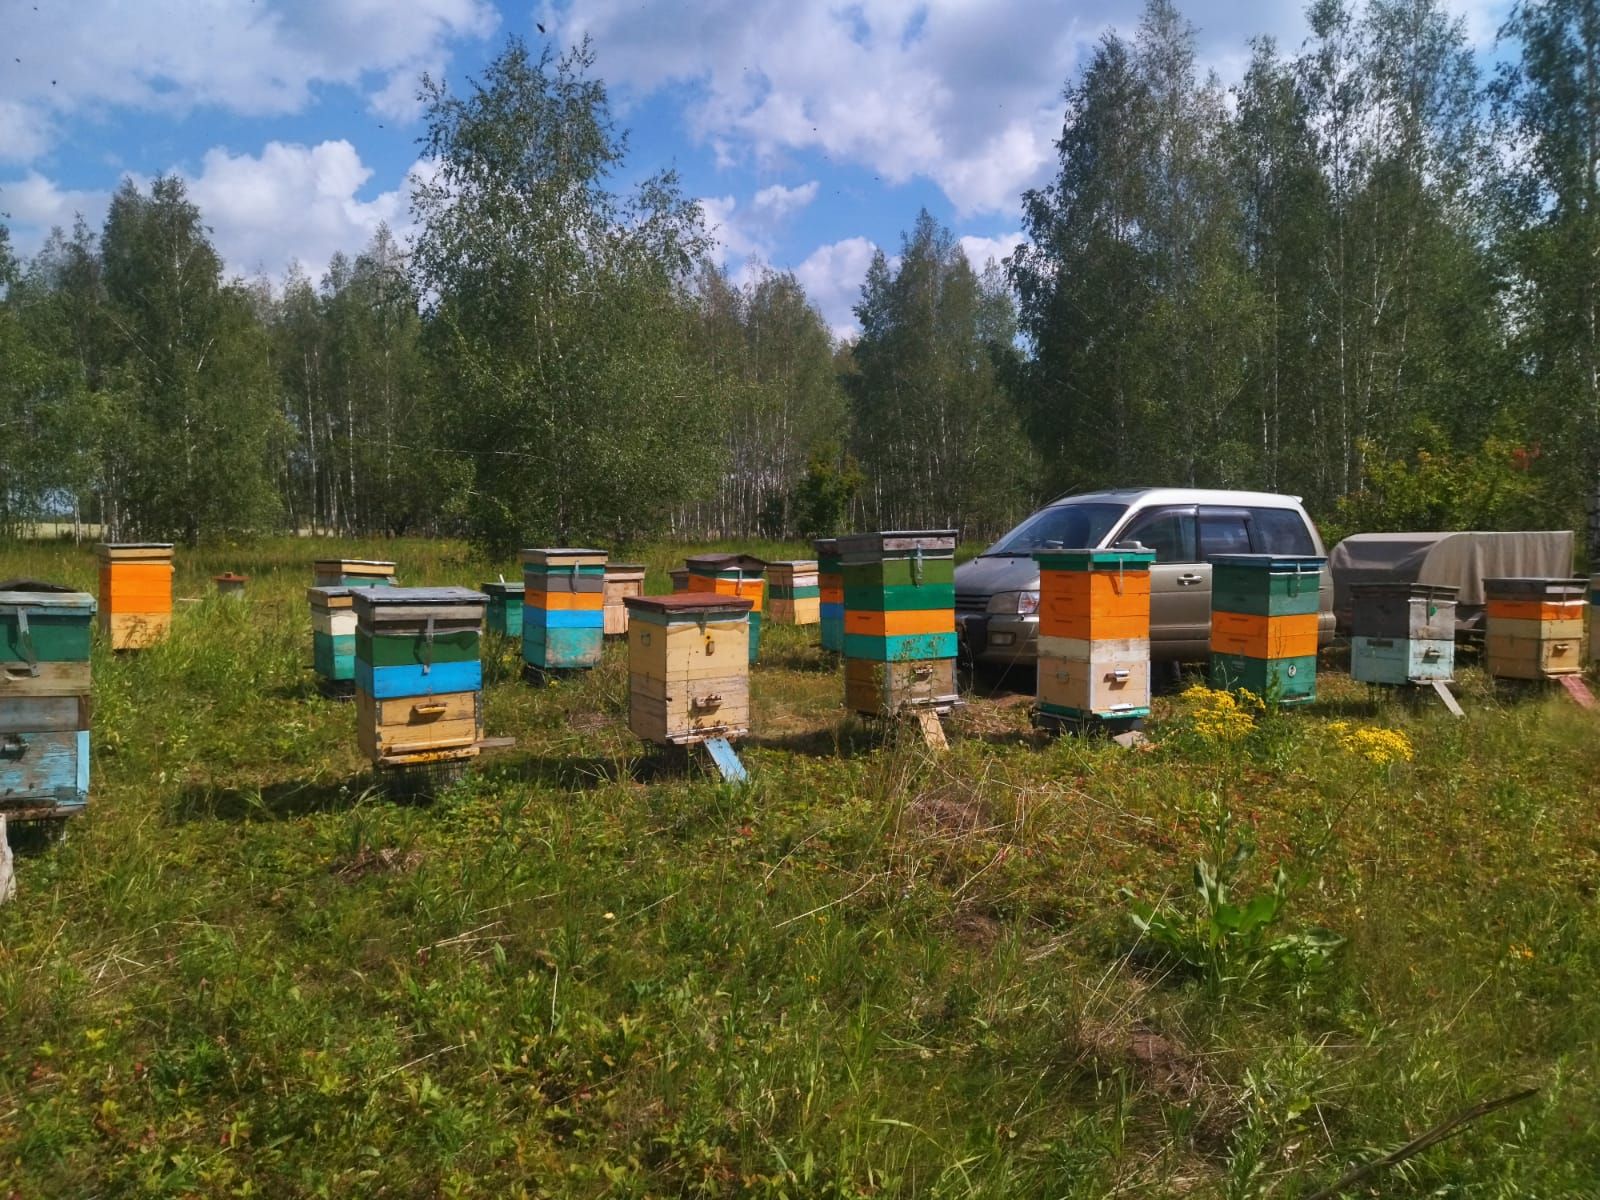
(1378, 746)
(1222, 716)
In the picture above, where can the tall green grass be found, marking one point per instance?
(593, 970)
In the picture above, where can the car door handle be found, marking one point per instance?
(1188, 580)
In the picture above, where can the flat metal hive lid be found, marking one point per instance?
(352, 562)
(563, 556)
(725, 562)
(35, 593)
(689, 604)
(1409, 589)
(331, 597)
(1510, 587)
(379, 597)
(898, 541)
(504, 587)
(1270, 562)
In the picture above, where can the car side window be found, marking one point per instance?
(1224, 531)
(1167, 531)
(1280, 531)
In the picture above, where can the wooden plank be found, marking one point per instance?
(1441, 689)
(43, 714)
(1578, 690)
(47, 679)
(726, 761)
(932, 728)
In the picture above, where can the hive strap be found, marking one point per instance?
(25, 642)
(427, 646)
(916, 566)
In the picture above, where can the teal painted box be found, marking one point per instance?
(1402, 660)
(44, 699)
(1266, 585)
(504, 615)
(1284, 680)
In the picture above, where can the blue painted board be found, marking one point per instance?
(562, 618)
(334, 655)
(393, 683)
(908, 647)
(1402, 660)
(562, 649)
(45, 768)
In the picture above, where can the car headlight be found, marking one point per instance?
(1020, 603)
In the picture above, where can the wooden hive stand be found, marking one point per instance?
(333, 640)
(44, 700)
(622, 580)
(1404, 634)
(563, 617)
(352, 573)
(1094, 639)
(793, 593)
(689, 673)
(419, 683)
(742, 575)
(899, 637)
(135, 593)
(1264, 611)
(1534, 631)
(830, 595)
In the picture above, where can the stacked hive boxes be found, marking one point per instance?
(830, 594)
(1402, 632)
(505, 607)
(793, 594)
(333, 638)
(44, 699)
(135, 593)
(622, 580)
(352, 573)
(899, 621)
(563, 602)
(1594, 618)
(1094, 634)
(688, 667)
(740, 575)
(419, 678)
(1264, 625)
(1535, 627)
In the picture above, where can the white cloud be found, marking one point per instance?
(732, 240)
(777, 202)
(261, 59)
(33, 205)
(745, 231)
(292, 203)
(832, 276)
(980, 251)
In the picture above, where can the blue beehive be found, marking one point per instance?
(563, 608)
(44, 699)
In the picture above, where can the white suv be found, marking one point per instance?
(997, 593)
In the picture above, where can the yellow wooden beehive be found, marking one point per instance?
(688, 667)
(135, 593)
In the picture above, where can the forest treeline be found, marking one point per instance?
(1366, 274)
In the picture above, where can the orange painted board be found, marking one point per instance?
(750, 589)
(1258, 636)
(899, 623)
(1096, 583)
(1094, 594)
(1054, 622)
(564, 601)
(1536, 610)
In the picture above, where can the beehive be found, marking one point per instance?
(135, 593)
(419, 677)
(44, 699)
(830, 594)
(504, 615)
(622, 580)
(563, 601)
(1535, 627)
(1264, 625)
(688, 667)
(333, 637)
(793, 593)
(899, 633)
(679, 577)
(352, 573)
(741, 575)
(1402, 632)
(1094, 634)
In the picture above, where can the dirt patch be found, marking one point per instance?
(1157, 1060)
(388, 861)
(948, 812)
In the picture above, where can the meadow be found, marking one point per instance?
(1237, 962)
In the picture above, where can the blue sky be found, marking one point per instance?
(811, 132)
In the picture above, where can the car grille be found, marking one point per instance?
(971, 602)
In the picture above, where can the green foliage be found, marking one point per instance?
(822, 498)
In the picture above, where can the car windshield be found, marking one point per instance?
(1061, 527)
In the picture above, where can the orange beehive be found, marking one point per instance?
(135, 593)
(1260, 636)
(1534, 628)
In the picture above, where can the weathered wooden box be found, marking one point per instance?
(135, 593)
(688, 667)
(418, 673)
(1264, 625)
(899, 611)
(352, 572)
(622, 580)
(44, 699)
(333, 633)
(563, 608)
(794, 595)
(504, 614)
(1094, 634)
(679, 578)
(1535, 628)
(1402, 632)
(830, 594)
(742, 575)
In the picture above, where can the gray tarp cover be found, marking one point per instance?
(1459, 560)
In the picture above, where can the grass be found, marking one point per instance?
(590, 971)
